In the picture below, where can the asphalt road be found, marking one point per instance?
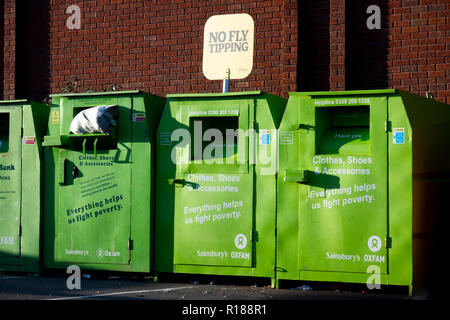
(132, 287)
(191, 297)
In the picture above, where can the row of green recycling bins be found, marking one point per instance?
(323, 186)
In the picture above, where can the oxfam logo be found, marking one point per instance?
(374, 243)
(99, 253)
(240, 241)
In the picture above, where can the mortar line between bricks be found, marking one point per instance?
(120, 293)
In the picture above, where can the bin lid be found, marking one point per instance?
(82, 94)
(213, 95)
(19, 101)
(344, 93)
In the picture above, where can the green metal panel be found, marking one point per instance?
(91, 202)
(345, 187)
(216, 214)
(359, 176)
(99, 202)
(209, 201)
(11, 181)
(22, 124)
(400, 210)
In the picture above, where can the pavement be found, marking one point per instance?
(107, 286)
(192, 296)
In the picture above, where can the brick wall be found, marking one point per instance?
(338, 38)
(2, 46)
(418, 58)
(156, 46)
(8, 55)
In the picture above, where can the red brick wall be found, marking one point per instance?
(418, 57)
(156, 46)
(7, 73)
(2, 45)
(337, 44)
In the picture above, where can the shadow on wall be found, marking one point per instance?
(32, 50)
(2, 46)
(313, 68)
(366, 49)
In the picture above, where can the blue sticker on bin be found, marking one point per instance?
(398, 135)
(264, 137)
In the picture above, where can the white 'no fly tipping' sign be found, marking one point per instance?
(228, 44)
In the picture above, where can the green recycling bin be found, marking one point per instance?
(22, 126)
(359, 174)
(216, 184)
(99, 196)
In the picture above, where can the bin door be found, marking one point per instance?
(93, 215)
(10, 180)
(343, 196)
(214, 186)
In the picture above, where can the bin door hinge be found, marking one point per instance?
(387, 126)
(130, 244)
(20, 231)
(387, 242)
(254, 236)
(255, 125)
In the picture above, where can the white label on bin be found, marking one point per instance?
(29, 140)
(138, 117)
(398, 135)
